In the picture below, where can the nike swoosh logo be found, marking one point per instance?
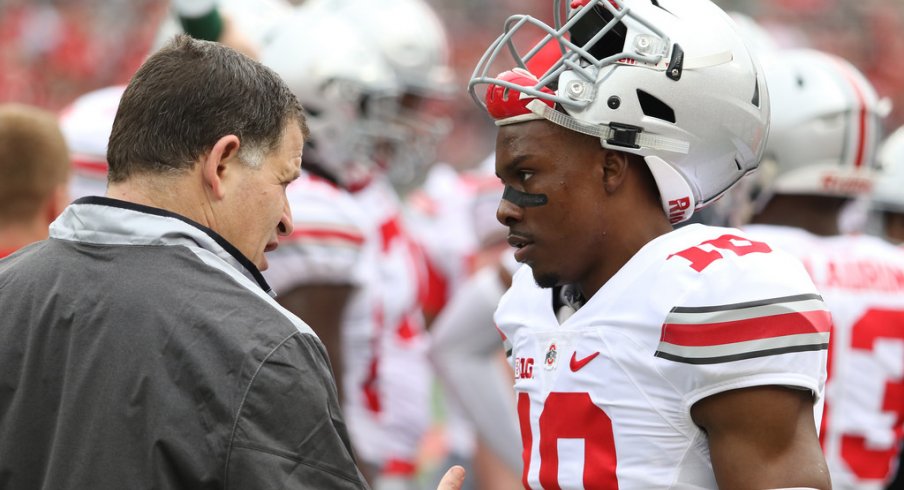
(576, 364)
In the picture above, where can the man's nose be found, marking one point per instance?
(285, 228)
(508, 212)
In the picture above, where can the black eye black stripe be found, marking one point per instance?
(523, 199)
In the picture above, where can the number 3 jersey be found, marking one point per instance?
(862, 281)
(604, 398)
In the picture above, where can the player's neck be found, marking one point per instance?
(815, 214)
(633, 234)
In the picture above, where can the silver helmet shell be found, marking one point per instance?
(669, 80)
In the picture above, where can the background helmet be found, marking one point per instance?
(409, 35)
(413, 42)
(888, 193)
(669, 80)
(348, 91)
(826, 126)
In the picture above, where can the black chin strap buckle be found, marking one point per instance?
(624, 135)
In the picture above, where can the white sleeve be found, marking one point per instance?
(746, 321)
(465, 348)
(330, 241)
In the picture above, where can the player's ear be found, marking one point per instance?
(614, 166)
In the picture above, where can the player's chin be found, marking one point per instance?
(545, 279)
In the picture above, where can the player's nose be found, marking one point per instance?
(509, 212)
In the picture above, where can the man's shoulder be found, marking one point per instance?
(713, 254)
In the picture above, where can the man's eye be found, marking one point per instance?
(525, 175)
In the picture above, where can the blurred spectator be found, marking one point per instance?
(51, 51)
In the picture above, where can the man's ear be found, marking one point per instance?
(217, 164)
(615, 169)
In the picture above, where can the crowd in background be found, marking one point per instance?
(51, 51)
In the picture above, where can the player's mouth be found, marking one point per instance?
(521, 243)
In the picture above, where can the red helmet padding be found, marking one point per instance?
(504, 102)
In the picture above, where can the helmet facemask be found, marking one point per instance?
(668, 80)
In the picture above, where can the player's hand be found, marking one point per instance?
(453, 479)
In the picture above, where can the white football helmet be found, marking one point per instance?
(888, 193)
(348, 91)
(86, 124)
(670, 80)
(413, 41)
(754, 34)
(409, 35)
(826, 126)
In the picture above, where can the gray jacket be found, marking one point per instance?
(141, 350)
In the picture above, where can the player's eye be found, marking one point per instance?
(525, 175)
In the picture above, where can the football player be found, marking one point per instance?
(887, 198)
(821, 153)
(398, 413)
(352, 95)
(695, 357)
(326, 272)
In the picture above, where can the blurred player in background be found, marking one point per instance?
(821, 153)
(674, 369)
(86, 123)
(34, 172)
(326, 271)
(369, 132)
(465, 345)
(887, 198)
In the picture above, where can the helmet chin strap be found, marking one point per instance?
(611, 133)
(676, 195)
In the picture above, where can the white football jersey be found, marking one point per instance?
(861, 279)
(398, 410)
(332, 243)
(604, 398)
(437, 215)
(453, 216)
(86, 124)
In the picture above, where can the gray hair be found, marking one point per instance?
(186, 97)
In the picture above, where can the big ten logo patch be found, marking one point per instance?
(524, 367)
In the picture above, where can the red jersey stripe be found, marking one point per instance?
(320, 233)
(90, 166)
(862, 116)
(707, 334)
